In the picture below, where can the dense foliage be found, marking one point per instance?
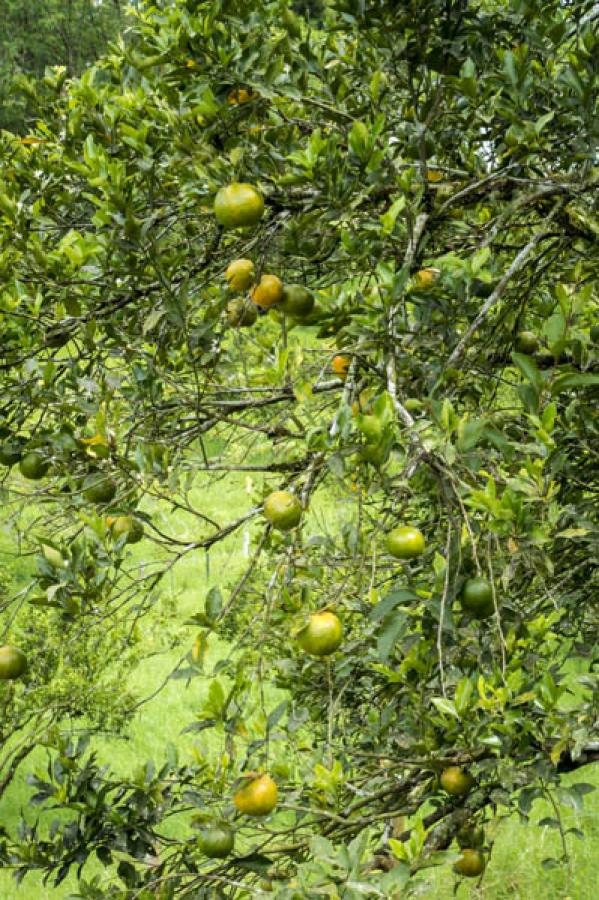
(38, 35)
(428, 173)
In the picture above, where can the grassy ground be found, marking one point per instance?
(515, 870)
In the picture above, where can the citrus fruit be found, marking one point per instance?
(241, 313)
(412, 404)
(237, 205)
(340, 365)
(477, 598)
(527, 342)
(98, 488)
(425, 277)
(13, 663)
(471, 864)
(405, 542)
(434, 175)
(283, 510)
(34, 465)
(240, 274)
(217, 841)
(239, 96)
(126, 525)
(297, 301)
(257, 797)
(322, 635)
(455, 781)
(268, 291)
(11, 452)
(470, 835)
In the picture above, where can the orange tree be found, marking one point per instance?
(412, 640)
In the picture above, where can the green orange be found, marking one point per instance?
(11, 451)
(527, 342)
(13, 663)
(283, 510)
(405, 542)
(322, 635)
(217, 841)
(477, 598)
(371, 427)
(241, 313)
(470, 835)
(455, 781)
(34, 465)
(126, 525)
(375, 454)
(471, 864)
(297, 301)
(99, 488)
(238, 205)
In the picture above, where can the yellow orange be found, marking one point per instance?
(268, 291)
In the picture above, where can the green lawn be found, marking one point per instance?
(515, 870)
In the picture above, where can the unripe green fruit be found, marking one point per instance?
(283, 510)
(34, 465)
(405, 542)
(217, 842)
(99, 488)
(13, 663)
(477, 598)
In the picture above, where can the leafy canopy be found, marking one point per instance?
(428, 172)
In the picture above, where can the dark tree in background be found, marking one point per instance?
(36, 35)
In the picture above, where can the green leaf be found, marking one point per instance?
(555, 328)
(530, 371)
(390, 601)
(214, 603)
(445, 706)
(463, 693)
(573, 532)
(359, 141)
(388, 219)
(469, 433)
(392, 628)
(573, 380)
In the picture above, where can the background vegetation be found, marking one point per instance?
(35, 35)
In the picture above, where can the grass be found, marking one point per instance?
(515, 870)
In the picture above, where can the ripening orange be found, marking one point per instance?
(268, 291)
(340, 365)
(257, 797)
(425, 277)
(239, 96)
(240, 274)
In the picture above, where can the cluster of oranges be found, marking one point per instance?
(293, 299)
(240, 205)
